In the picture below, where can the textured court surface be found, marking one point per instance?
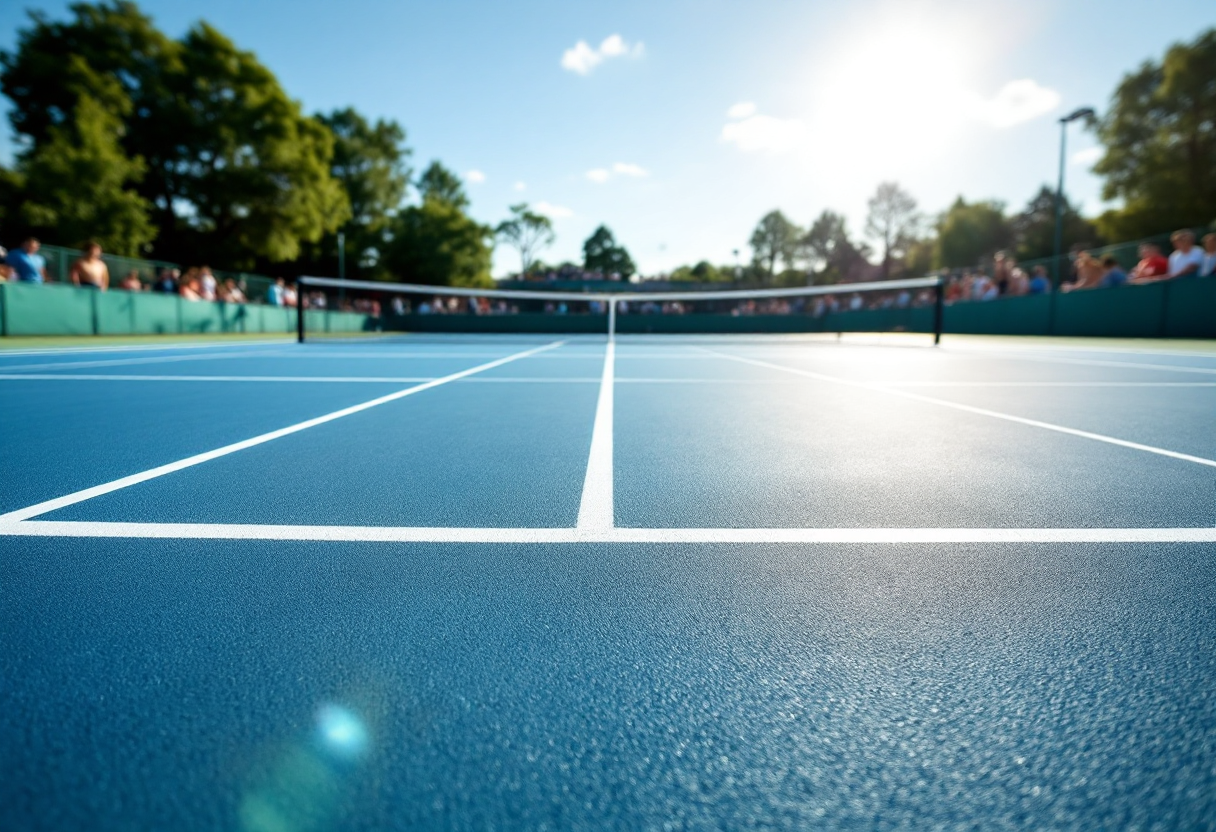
(679, 583)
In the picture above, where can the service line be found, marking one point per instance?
(197, 459)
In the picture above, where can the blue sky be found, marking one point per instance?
(680, 123)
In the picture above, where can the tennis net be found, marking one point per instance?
(331, 309)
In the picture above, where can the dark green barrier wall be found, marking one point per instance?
(57, 309)
(1183, 308)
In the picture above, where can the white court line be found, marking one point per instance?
(134, 479)
(595, 510)
(1046, 383)
(306, 379)
(423, 534)
(164, 347)
(118, 362)
(1098, 437)
(1096, 362)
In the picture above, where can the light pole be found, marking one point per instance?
(1083, 112)
(341, 267)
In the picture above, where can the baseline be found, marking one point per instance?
(421, 534)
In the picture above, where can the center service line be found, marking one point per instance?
(134, 479)
(966, 408)
(595, 511)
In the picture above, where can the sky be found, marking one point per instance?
(679, 123)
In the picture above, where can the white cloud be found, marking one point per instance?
(1087, 157)
(520, 186)
(741, 110)
(763, 133)
(475, 177)
(627, 169)
(599, 175)
(1019, 101)
(553, 212)
(582, 58)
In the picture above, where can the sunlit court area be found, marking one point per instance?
(622, 416)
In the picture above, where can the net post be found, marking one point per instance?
(299, 312)
(611, 320)
(939, 310)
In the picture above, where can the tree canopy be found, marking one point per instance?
(774, 240)
(892, 221)
(1160, 144)
(527, 232)
(601, 253)
(970, 233)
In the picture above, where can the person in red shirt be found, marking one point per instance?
(1152, 265)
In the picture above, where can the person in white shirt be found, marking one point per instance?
(1186, 259)
(1209, 256)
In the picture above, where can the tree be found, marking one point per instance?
(602, 254)
(830, 252)
(527, 232)
(775, 239)
(76, 184)
(437, 182)
(234, 171)
(1160, 157)
(370, 161)
(893, 221)
(1035, 227)
(968, 234)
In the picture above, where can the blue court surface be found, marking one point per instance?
(528, 582)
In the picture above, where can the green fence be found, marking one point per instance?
(58, 309)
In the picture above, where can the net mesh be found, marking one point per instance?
(349, 309)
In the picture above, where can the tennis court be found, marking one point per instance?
(551, 582)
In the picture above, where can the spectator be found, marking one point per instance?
(1089, 273)
(230, 292)
(1186, 258)
(6, 271)
(167, 282)
(189, 288)
(1040, 283)
(1152, 265)
(90, 270)
(275, 294)
(207, 283)
(1209, 256)
(290, 297)
(27, 264)
(131, 283)
(1002, 269)
(1112, 273)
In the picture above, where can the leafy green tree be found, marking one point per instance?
(704, 272)
(437, 182)
(601, 253)
(234, 171)
(774, 240)
(831, 253)
(970, 233)
(371, 163)
(527, 232)
(437, 243)
(893, 221)
(1160, 143)
(1034, 228)
(76, 184)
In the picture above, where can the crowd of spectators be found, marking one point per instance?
(1087, 271)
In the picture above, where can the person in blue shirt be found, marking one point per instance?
(1112, 275)
(1039, 284)
(28, 265)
